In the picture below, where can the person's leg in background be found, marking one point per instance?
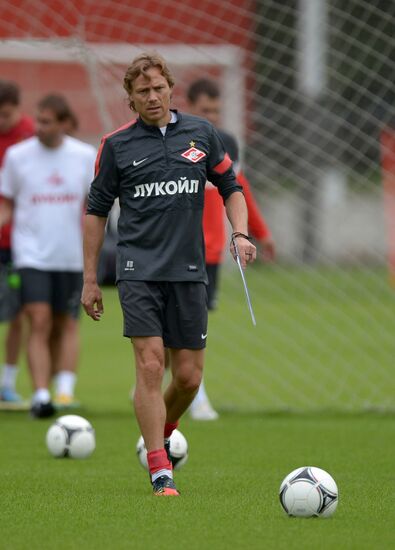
(13, 342)
(13, 338)
(65, 347)
(65, 339)
(36, 292)
(39, 317)
(201, 408)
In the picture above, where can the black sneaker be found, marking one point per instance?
(164, 486)
(42, 410)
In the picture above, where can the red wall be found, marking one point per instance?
(138, 22)
(168, 21)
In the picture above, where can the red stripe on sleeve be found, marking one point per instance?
(97, 162)
(224, 165)
(99, 153)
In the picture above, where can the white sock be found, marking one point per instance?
(41, 395)
(160, 473)
(65, 382)
(200, 396)
(8, 378)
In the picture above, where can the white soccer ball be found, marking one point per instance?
(178, 450)
(309, 491)
(72, 436)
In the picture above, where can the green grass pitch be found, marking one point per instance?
(230, 484)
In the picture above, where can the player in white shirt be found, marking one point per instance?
(45, 183)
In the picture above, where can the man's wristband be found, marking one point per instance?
(238, 234)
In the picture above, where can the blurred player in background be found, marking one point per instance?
(65, 381)
(158, 166)
(45, 182)
(71, 124)
(204, 99)
(14, 127)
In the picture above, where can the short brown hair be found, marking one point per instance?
(203, 86)
(57, 104)
(9, 92)
(140, 65)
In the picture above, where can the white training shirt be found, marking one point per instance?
(49, 188)
(173, 118)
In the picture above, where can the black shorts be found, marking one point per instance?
(177, 312)
(5, 256)
(9, 287)
(61, 289)
(212, 288)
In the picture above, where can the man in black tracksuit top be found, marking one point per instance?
(160, 183)
(158, 166)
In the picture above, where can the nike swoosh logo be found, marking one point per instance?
(204, 336)
(137, 162)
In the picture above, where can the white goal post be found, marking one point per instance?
(93, 55)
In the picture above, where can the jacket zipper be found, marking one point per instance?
(165, 149)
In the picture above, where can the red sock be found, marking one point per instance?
(169, 428)
(157, 460)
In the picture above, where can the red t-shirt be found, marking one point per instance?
(257, 226)
(214, 220)
(213, 225)
(23, 130)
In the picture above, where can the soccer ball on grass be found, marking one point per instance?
(309, 491)
(71, 436)
(178, 450)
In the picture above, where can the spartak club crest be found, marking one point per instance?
(193, 154)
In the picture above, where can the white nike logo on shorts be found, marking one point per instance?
(204, 336)
(137, 162)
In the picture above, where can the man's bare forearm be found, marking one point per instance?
(94, 227)
(6, 211)
(236, 210)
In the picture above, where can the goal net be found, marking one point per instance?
(307, 90)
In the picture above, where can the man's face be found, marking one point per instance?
(151, 96)
(49, 129)
(207, 107)
(9, 117)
